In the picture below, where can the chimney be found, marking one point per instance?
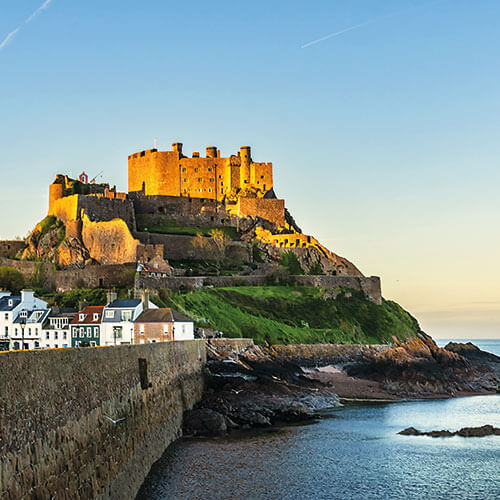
(145, 300)
(27, 296)
(82, 304)
(111, 296)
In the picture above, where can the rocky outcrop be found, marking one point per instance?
(485, 430)
(484, 361)
(420, 367)
(253, 389)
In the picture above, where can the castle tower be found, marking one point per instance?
(56, 192)
(211, 152)
(246, 160)
(177, 147)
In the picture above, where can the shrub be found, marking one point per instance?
(316, 269)
(11, 279)
(290, 261)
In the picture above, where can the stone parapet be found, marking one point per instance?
(89, 423)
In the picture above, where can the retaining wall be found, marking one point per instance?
(56, 440)
(369, 286)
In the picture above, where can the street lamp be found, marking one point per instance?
(23, 326)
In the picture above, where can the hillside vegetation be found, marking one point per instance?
(296, 315)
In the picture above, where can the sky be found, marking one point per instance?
(380, 118)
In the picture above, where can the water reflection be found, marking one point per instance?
(357, 454)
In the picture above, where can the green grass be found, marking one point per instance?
(292, 315)
(169, 226)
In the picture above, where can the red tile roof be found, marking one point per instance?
(88, 319)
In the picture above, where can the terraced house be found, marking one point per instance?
(86, 327)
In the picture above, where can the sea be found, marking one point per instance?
(353, 452)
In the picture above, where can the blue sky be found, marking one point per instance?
(384, 138)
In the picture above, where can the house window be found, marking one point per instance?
(29, 331)
(6, 315)
(65, 335)
(141, 329)
(47, 336)
(6, 331)
(126, 315)
(110, 314)
(165, 329)
(55, 335)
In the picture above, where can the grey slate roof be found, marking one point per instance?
(30, 319)
(124, 304)
(4, 303)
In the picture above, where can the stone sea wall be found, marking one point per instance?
(56, 437)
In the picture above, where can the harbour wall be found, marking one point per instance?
(89, 423)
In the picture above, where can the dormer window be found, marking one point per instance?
(24, 314)
(96, 316)
(11, 302)
(82, 317)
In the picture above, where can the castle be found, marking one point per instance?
(108, 227)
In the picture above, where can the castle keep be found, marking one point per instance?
(242, 186)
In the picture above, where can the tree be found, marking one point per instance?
(11, 279)
(290, 262)
(316, 269)
(216, 244)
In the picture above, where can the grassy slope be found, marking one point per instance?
(290, 315)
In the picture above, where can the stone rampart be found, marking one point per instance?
(369, 286)
(104, 276)
(57, 439)
(10, 248)
(182, 247)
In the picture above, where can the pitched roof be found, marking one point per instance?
(88, 319)
(123, 304)
(5, 301)
(162, 315)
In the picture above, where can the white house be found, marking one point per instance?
(11, 308)
(27, 328)
(118, 321)
(56, 330)
(183, 326)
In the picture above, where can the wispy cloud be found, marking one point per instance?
(14, 32)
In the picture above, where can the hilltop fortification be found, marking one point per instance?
(171, 198)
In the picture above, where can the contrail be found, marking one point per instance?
(13, 33)
(337, 33)
(356, 26)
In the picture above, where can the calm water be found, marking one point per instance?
(353, 453)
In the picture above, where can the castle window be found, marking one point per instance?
(209, 190)
(200, 190)
(261, 176)
(212, 179)
(185, 180)
(184, 169)
(209, 169)
(199, 179)
(220, 176)
(221, 191)
(196, 170)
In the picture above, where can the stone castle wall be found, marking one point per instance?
(181, 247)
(369, 286)
(10, 248)
(56, 440)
